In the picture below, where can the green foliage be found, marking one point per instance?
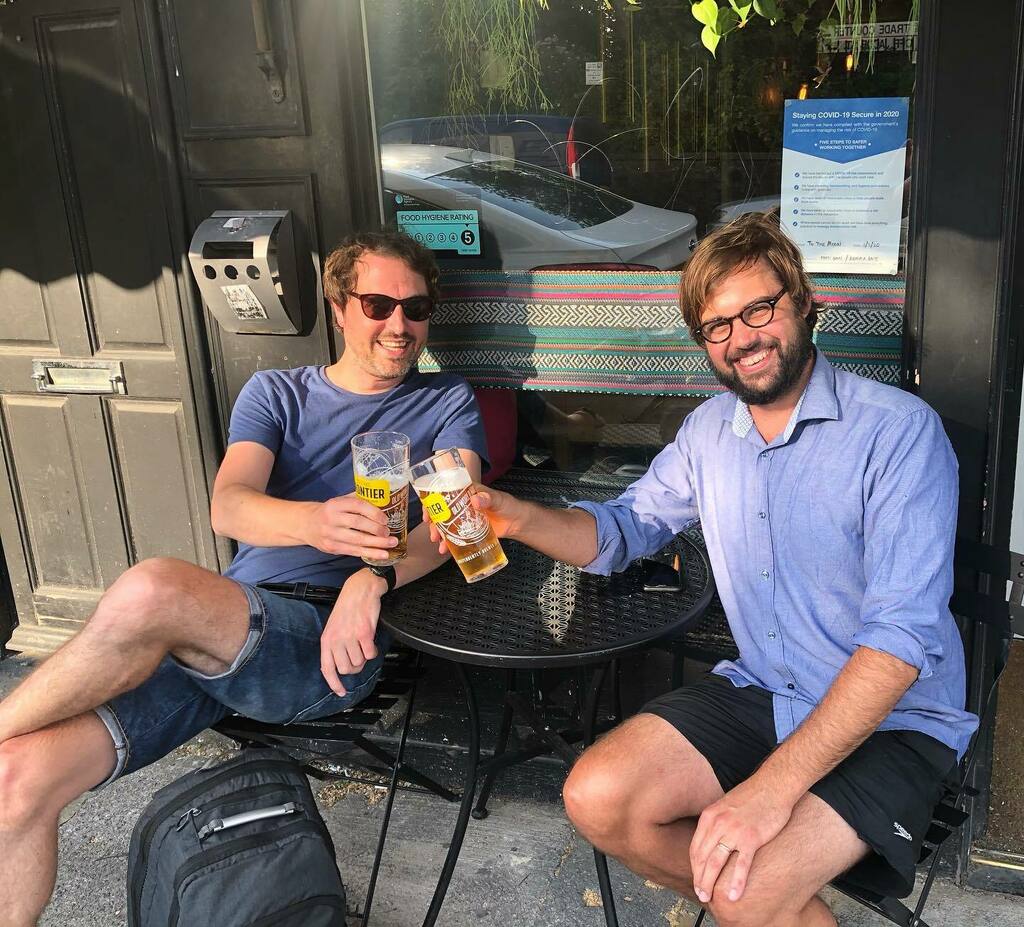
(492, 54)
(719, 20)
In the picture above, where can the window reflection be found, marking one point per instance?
(596, 136)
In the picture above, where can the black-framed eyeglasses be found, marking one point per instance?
(756, 315)
(379, 307)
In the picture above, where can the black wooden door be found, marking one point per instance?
(296, 136)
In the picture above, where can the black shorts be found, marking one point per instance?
(885, 790)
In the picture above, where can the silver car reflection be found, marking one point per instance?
(534, 217)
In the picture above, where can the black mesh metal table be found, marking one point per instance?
(537, 613)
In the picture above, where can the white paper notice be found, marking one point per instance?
(244, 303)
(595, 73)
(843, 168)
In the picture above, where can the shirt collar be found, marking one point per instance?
(817, 401)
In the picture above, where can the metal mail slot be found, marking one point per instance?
(78, 375)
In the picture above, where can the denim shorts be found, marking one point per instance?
(275, 677)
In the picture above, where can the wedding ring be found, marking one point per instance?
(727, 849)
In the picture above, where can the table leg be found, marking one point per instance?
(617, 691)
(600, 862)
(468, 792)
(390, 803)
(480, 811)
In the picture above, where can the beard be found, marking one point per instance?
(792, 361)
(388, 368)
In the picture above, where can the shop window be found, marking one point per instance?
(603, 138)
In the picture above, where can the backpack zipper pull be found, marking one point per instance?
(183, 820)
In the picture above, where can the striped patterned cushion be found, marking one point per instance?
(621, 331)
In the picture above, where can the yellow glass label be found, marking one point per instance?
(376, 492)
(437, 508)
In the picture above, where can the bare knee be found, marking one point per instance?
(24, 799)
(136, 605)
(597, 802)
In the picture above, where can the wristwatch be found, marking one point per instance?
(387, 573)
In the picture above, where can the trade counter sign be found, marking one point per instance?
(443, 229)
(843, 169)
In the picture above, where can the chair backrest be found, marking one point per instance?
(988, 590)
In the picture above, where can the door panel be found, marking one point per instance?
(111, 179)
(95, 481)
(210, 73)
(152, 441)
(65, 500)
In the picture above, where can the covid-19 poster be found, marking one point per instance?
(843, 173)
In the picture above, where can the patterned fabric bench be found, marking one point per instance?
(621, 331)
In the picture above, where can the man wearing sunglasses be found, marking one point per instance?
(828, 504)
(172, 648)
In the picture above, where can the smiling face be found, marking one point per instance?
(762, 366)
(378, 355)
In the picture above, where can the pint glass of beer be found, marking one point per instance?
(380, 462)
(444, 486)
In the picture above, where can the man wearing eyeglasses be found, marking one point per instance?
(172, 648)
(828, 504)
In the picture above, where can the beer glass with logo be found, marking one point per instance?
(444, 486)
(380, 463)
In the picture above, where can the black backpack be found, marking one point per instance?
(239, 845)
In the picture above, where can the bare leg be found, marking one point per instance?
(158, 607)
(636, 795)
(813, 848)
(40, 773)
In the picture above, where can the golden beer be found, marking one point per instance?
(396, 508)
(468, 534)
(380, 464)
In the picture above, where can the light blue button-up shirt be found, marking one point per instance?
(837, 534)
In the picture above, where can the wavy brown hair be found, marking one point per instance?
(752, 237)
(340, 266)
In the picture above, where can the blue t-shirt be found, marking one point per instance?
(308, 422)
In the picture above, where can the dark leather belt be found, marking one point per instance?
(306, 591)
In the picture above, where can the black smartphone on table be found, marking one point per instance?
(662, 575)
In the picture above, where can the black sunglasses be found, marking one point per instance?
(379, 307)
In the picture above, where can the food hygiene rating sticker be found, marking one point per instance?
(443, 229)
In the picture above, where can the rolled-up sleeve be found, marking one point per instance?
(648, 514)
(909, 529)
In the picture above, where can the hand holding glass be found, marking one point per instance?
(445, 488)
(380, 463)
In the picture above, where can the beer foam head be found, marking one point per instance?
(451, 480)
(395, 480)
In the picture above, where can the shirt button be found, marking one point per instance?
(790, 685)
(762, 514)
(771, 635)
(764, 574)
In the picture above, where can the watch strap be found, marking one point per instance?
(387, 573)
